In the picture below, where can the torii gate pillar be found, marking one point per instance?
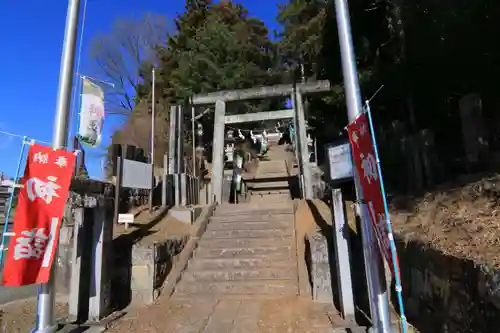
(218, 151)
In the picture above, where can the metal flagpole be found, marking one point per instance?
(45, 320)
(153, 106)
(379, 302)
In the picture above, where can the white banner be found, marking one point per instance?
(91, 114)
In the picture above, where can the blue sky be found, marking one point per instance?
(30, 52)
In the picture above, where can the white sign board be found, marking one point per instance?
(340, 162)
(126, 218)
(137, 174)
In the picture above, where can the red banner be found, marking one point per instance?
(39, 212)
(366, 166)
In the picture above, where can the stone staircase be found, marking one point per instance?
(271, 178)
(248, 250)
(243, 274)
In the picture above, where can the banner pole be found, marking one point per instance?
(379, 301)
(153, 115)
(397, 274)
(45, 321)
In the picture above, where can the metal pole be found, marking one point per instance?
(153, 106)
(378, 292)
(45, 319)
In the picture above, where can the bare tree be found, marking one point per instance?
(120, 55)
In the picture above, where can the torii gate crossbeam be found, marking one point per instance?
(259, 116)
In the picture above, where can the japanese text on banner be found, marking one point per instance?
(366, 166)
(39, 212)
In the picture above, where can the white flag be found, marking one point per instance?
(91, 114)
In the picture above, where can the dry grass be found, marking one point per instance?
(462, 221)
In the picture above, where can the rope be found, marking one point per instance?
(77, 86)
(24, 136)
(258, 129)
(29, 140)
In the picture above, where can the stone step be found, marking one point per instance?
(199, 264)
(256, 287)
(278, 253)
(249, 242)
(228, 210)
(283, 273)
(267, 233)
(274, 195)
(257, 186)
(254, 225)
(252, 217)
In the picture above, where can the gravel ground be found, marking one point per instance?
(19, 316)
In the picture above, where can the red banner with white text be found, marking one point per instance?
(366, 166)
(39, 213)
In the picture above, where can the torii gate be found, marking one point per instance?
(296, 93)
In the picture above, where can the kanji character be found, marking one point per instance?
(37, 188)
(355, 137)
(31, 244)
(61, 161)
(41, 158)
(369, 165)
(363, 129)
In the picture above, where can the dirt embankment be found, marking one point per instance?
(460, 220)
(152, 227)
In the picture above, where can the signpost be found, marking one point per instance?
(341, 172)
(125, 219)
(339, 161)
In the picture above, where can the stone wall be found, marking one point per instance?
(141, 269)
(448, 294)
(64, 260)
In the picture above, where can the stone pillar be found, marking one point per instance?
(180, 139)
(303, 149)
(164, 180)
(177, 189)
(183, 189)
(218, 151)
(320, 269)
(473, 129)
(172, 143)
(76, 264)
(90, 288)
(102, 247)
